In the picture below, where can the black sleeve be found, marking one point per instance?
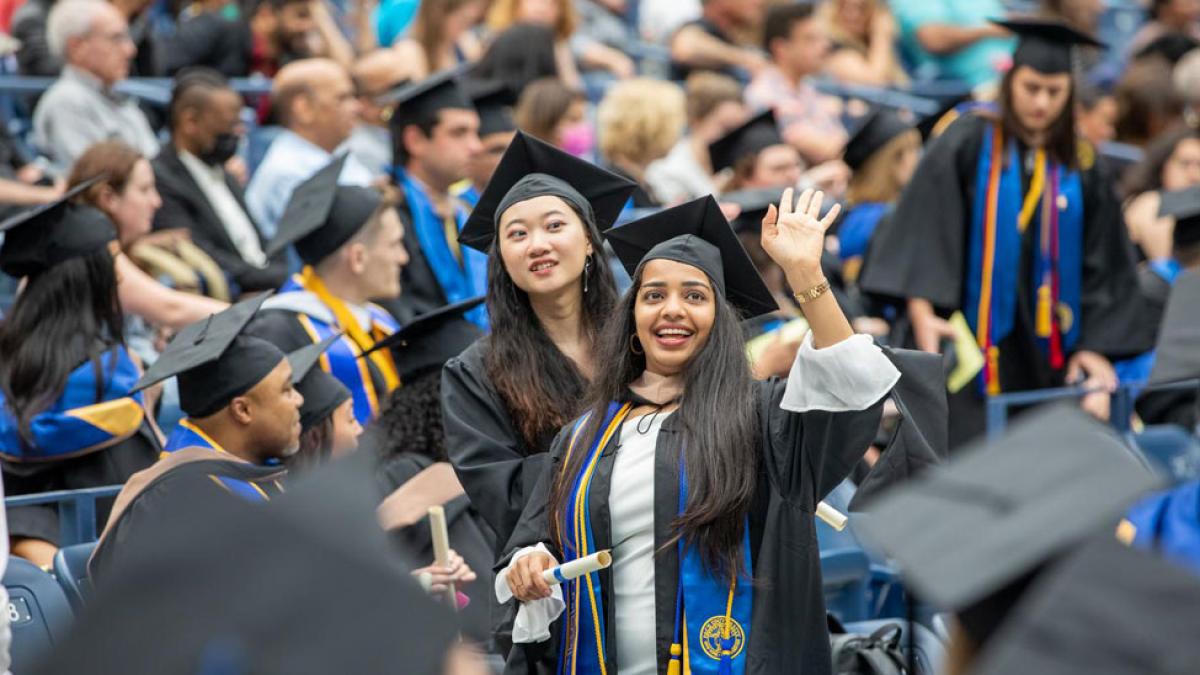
(533, 525)
(207, 40)
(34, 57)
(495, 467)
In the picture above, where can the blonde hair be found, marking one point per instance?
(875, 180)
(503, 13)
(641, 119)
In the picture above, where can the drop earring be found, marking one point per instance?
(587, 269)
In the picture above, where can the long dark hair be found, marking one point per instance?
(717, 417)
(1146, 175)
(1061, 142)
(541, 387)
(58, 322)
(411, 420)
(316, 446)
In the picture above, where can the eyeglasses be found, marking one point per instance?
(116, 38)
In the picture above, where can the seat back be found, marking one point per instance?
(38, 612)
(70, 568)
(845, 574)
(1170, 448)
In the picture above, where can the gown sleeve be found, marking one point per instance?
(919, 251)
(489, 458)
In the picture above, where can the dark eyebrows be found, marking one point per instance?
(546, 215)
(686, 284)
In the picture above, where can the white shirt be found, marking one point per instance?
(678, 177)
(211, 180)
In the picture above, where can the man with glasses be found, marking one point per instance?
(82, 108)
(376, 74)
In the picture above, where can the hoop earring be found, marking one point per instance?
(587, 268)
(634, 345)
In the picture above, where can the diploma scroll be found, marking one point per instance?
(832, 517)
(577, 568)
(441, 547)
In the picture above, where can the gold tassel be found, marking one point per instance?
(993, 357)
(1045, 323)
(675, 666)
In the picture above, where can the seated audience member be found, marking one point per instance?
(350, 240)
(440, 36)
(756, 155)
(863, 36)
(657, 20)
(714, 107)
(328, 428)
(521, 54)
(1147, 102)
(70, 419)
(198, 194)
(1096, 115)
(313, 100)
(1171, 163)
(260, 39)
(497, 129)
(80, 108)
(709, 43)
(639, 120)
(1172, 304)
(952, 40)
(375, 75)
(1167, 17)
(557, 114)
(570, 46)
(809, 120)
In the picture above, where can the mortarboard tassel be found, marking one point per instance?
(675, 666)
(1045, 308)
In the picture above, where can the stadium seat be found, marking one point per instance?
(38, 612)
(930, 652)
(70, 567)
(845, 574)
(1170, 448)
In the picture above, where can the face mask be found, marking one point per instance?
(578, 140)
(223, 148)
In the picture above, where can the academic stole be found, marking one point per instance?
(1054, 204)
(461, 272)
(188, 435)
(366, 406)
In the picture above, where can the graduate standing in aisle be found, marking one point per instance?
(1012, 220)
(69, 416)
(702, 481)
(550, 291)
(351, 241)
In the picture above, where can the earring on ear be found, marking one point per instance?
(587, 269)
(634, 345)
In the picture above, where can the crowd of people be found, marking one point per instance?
(654, 278)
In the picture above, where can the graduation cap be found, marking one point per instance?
(752, 137)
(1045, 44)
(969, 535)
(754, 204)
(321, 215)
(220, 577)
(322, 392)
(533, 168)
(423, 99)
(1184, 205)
(41, 237)
(1105, 610)
(493, 101)
(696, 233)
(1177, 354)
(878, 128)
(432, 339)
(215, 362)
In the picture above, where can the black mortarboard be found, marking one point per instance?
(322, 215)
(754, 204)
(1105, 610)
(432, 339)
(220, 577)
(752, 137)
(1184, 205)
(696, 233)
(214, 361)
(1177, 354)
(494, 102)
(425, 98)
(41, 237)
(1045, 44)
(533, 168)
(969, 535)
(875, 131)
(322, 392)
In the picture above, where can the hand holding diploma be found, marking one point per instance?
(525, 576)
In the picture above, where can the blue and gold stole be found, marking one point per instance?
(342, 358)
(854, 235)
(1000, 216)
(80, 422)
(461, 271)
(713, 644)
(188, 435)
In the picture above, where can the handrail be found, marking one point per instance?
(151, 89)
(76, 510)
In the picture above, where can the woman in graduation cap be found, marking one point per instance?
(69, 419)
(701, 481)
(1012, 221)
(550, 290)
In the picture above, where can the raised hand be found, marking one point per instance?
(794, 237)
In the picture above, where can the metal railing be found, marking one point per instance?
(1123, 399)
(76, 510)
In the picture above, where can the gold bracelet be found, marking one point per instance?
(812, 293)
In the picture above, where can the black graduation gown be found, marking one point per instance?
(802, 457)
(421, 291)
(494, 464)
(922, 251)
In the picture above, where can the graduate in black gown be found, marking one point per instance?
(702, 481)
(328, 427)
(550, 291)
(69, 418)
(1013, 221)
(1176, 358)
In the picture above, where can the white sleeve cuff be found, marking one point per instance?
(533, 618)
(850, 375)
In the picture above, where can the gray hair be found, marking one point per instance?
(70, 19)
(1186, 77)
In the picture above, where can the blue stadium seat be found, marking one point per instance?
(930, 651)
(885, 594)
(1170, 448)
(38, 612)
(845, 574)
(70, 568)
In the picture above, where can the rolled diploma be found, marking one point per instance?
(832, 517)
(441, 546)
(577, 568)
